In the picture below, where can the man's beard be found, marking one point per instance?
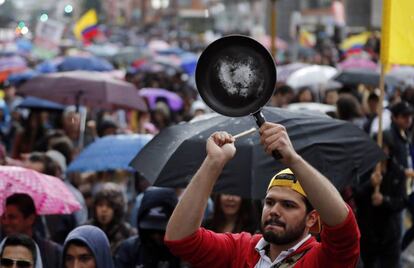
(288, 236)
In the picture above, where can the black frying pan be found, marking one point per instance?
(236, 76)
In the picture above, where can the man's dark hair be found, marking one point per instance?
(21, 240)
(76, 243)
(308, 205)
(283, 90)
(23, 202)
(50, 166)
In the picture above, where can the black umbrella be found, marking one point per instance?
(338, 149)
(354, 77)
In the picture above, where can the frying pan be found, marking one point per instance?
(236, 76)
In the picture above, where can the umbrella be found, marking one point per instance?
(338, 149)
(93, 89)
(12, 63)
(174, 101)
(72, 63)
(109, 153)
(355, 77)
(313, 75)
(50, 194)
(405, 74)
(284, 71)
(312, 106)
(358, 63)
(40, 104)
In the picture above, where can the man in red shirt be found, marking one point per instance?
(287, 217)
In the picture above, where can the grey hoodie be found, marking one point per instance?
(96, 241)
(38, 257)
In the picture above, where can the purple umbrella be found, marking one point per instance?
(153, 94)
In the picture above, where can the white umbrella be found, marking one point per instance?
(312, 76)
(311, 106)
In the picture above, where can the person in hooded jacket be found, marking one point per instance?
(87, 247)
(148, 249)
(108, 214)
(21, 250)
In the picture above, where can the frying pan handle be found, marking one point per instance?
(260, 119)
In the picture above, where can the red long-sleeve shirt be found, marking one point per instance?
(339, 248)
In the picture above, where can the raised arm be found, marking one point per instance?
(321, 193)
(188, 214)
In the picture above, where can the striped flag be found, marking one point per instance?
(87, 26)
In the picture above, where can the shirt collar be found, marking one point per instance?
(260, 248)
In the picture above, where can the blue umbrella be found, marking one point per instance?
(109, 153)
(17, 78)
(72, 63)
(41, 104)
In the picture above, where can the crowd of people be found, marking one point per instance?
(122, 226)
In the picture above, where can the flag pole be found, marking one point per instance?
(380, 110)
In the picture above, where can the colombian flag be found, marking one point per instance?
(356, 41)
(87, 26)
(397, 43)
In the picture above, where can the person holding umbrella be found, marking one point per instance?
(287, 215)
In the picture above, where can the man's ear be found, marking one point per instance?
(312, 218)
(30, 220)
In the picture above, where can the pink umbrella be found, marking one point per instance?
(358, 63)
(50, 194)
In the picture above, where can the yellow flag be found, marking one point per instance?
(88, 21)
(398, 32)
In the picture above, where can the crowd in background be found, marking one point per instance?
(123, 218)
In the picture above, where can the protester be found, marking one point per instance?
(380, 212)
(402, 118)
(233, 214)
(349, 109)
(109, 213)
(19, 217)
(87, 247)
(286, 219)
(19, 250)
(148, 249)
(282, 96)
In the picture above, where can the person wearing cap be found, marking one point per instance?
(297, 200)
(147, 249)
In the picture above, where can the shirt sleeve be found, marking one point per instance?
(340, 244)
(206, 248)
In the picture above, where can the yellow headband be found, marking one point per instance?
(286, 178)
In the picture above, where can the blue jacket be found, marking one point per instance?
(96, 241)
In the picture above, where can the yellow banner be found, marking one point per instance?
(397, 41)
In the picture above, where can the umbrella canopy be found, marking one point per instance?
(405, 74)
(40, 104)
(12, 63)
(109, 153)
(50, 194)
(354, 77)
(72, 63)
(284, 71)
(312, 106)
(85, 88)
(174, 101)
(338, 149)
(313, 75)
(358, 63)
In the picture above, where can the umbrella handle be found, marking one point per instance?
(260, 119)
